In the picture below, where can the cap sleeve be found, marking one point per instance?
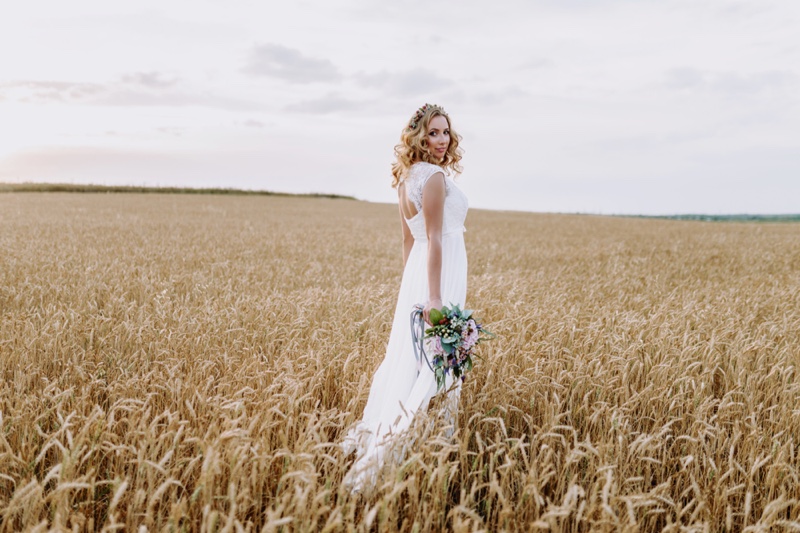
(418, 176)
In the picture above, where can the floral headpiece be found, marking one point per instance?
(412, 125)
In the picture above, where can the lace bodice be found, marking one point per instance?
(455, 201)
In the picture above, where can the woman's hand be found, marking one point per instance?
(435, 303)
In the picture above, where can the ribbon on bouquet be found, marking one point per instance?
(418, 336)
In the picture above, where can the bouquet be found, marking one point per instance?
(451, 339)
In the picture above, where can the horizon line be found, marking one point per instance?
(44, 187)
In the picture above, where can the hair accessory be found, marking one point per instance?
(412, 125)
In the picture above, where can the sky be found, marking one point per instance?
(578, 106)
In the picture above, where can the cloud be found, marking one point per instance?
(498, 97)
(170, 130)
(250, 123)
(50, 91)
(536, 63)
(277, 61)
(331, 103)
(753, 83)
(153, 79)
(157, 93)
(412, 82)
(684, 78)
(733, 83)
(172, 99)
(744, 10)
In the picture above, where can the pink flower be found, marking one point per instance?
(435, 346)
(469, 335)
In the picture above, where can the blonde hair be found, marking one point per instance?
(413, 146)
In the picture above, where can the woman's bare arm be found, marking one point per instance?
(433, 195)
(408, 239)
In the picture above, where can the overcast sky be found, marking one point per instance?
(600, 106)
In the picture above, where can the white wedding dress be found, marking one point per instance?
(401, 387)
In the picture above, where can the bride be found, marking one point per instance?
(432, 213)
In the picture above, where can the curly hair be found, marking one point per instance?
(413, 146)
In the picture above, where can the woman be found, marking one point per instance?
(432, 213)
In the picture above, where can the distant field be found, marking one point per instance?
(186, 362)
(74, 187)
(733, 218)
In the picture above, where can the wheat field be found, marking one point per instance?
(188, 363)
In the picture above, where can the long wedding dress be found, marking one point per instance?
(401, 387)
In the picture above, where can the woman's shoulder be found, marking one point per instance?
(419, 174)
(425, 164)
(424, 169)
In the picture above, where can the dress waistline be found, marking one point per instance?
(462, 229)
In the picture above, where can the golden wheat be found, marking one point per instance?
(180, 362)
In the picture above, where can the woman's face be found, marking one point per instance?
(438, 136)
